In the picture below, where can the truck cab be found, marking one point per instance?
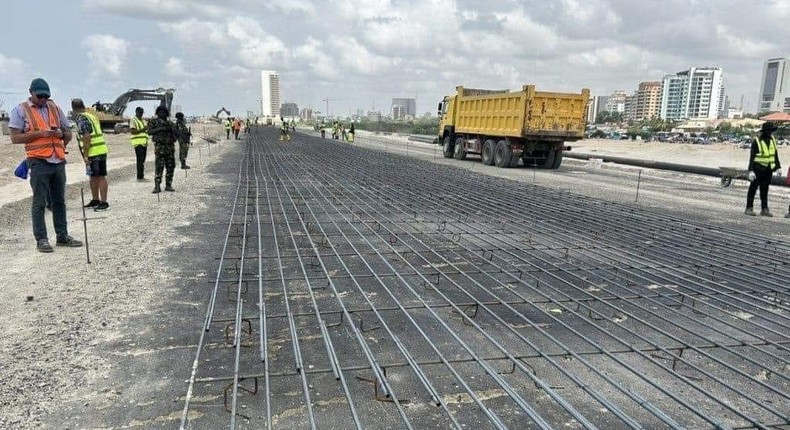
(446, 117)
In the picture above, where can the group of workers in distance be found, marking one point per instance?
(338, 131)
(41, 126)
(234, 125)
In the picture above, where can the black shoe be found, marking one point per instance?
(185, 167)
(766, 213)
(68, 241)
(92, 204)
(156, 190)
(750, 212)
(102, 206)
(43, 246)
(169, 187)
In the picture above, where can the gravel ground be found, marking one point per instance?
(61, 313)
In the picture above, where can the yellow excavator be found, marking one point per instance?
(110, 115)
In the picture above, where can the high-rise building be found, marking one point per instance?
(696, 93)
(306, 114)
(289, 110)
(398, 112)
(592, 109)
(616, 102)
(409, 106)
(629, 112)
(270, 94)
(775, 87)
(646, 103)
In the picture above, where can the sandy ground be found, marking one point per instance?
(714, 155)
(59, 312)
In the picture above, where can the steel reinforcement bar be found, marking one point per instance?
(398, 293)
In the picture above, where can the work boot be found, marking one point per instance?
(169, 187)
(157, 189)
(750, 212)
(765, 212)
(184, 166)
(43, 246)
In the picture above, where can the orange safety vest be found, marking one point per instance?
(43, 147)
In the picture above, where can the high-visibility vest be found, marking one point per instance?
(98, 144)
(140, 139)
(766, 156)
(44, 147)
(228, 125)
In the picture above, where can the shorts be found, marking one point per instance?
(98, 165)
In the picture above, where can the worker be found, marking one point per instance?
(763, 162)
(137, 128)
(351, 133)
(94, 152)
(228, 127)
(184, 136)
(284, 135)
(247, 124)
(236, 128)
(40, 125)
(162, 132)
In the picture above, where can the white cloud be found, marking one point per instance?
(14, 74)
(106, 53)
(158, 10)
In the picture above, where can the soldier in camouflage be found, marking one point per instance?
(163, 133)
(183, 134)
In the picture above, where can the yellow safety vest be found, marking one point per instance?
(767, 153)
(98, 145)
(140, 139)
(228, 125)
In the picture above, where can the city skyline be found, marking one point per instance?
(356, 52)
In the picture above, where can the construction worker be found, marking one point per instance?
(162, 132)
(763, 162)
(284, 135)
(184, 135)
(228, 127)
(94, 152)
(41, 126)
(236, 128)
(247, 124)
(137, 127)
(351, 133)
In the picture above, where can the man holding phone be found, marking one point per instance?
(41, 126)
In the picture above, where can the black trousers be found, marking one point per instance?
(763, 181)
(140, 152)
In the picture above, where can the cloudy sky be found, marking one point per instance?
(362, 53)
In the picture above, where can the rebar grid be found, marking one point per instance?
(468, 301)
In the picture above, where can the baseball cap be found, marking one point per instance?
(40, 87)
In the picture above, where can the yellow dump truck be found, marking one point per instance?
(505, 127)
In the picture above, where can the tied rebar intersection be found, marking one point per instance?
(360, 289)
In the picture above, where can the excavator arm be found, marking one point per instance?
(165, 97)
(227, 112)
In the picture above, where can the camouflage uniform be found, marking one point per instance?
(162, 132)
(183, 135)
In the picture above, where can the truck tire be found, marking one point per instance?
(460, 151)
(503, 154)
(489, 148)
(557, 159)
(447, 147)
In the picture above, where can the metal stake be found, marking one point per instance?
(638, 182)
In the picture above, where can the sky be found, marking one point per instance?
(360, 54)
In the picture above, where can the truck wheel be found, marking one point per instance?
(503, 154)
(447, 147)
(489, 147)
(557, 159)
(460, 151)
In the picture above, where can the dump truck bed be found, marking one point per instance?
(527, 113)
